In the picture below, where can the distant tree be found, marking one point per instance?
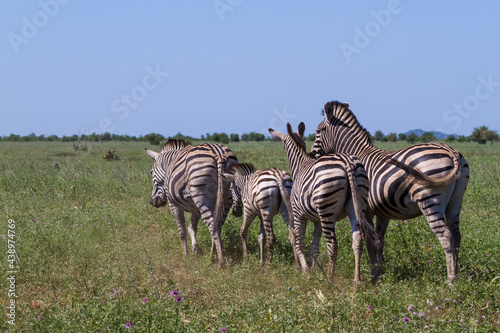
(492, 136)
(215, 137)
(224, 138)
(378, 135)
(461, 138)
(402, 136)
(14, 137)
(450, 138)
(393, 137)
(244, 137)
(384, 138)
(483, 134)
(52, 138)
(253, 136)
(412, 138)
(154, 138)
(106, 136)
(234, 137)
(311, 137)
(428, 137)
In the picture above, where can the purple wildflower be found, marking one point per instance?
(144, 300)
(431, 262)
(4, 236)
(406, 319)
(32, 220)
(128, 325)
(429, 302)
(410, 307)
(421, 314)
(223, 329)
(104, 302)
(369, 307)
(174, 293)
(178, 299)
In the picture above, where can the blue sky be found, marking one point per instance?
(235, 66)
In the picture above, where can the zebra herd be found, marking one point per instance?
(342, 175)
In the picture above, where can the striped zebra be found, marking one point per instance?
(324, 191)
(428, 179)
(190, 179)
(262, 193)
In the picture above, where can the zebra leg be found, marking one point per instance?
(181, 225)
(445, 237)
(453, 209)
(372, 253)
(261, 239)
(300, 232)
(357, 248)
(271, 239)
(247, 220)
(328, 228)
(357, 245)
(192, 229)
(291, 234)
(314, 247)
(381, 228)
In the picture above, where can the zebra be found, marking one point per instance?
(190, 179)
(427, 179)
(262, 193)
(324, 191)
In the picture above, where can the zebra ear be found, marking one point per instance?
(301, 130)
(151, 153)
(277, 136)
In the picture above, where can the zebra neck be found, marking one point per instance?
(295, 159)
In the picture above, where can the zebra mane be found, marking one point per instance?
(240, 169)
(173, 144)
(297, 140)
(339, 114)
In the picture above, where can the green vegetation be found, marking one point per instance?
(94, 255)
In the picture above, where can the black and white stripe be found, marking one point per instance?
(262, 193)
(324, 191)
(190, 179)
(428, 179)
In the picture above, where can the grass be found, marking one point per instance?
(94, 256)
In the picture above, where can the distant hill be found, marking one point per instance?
(440, 135)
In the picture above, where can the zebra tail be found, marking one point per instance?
(219, 201)
(423, 179)
(366, 228)
(286, 198)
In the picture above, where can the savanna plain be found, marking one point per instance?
(91, 255)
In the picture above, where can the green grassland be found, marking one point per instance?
(93, 255)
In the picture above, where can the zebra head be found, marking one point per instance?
(339, 132)
(158, 197)
(238, 173)
(318, 148)
(237, 200)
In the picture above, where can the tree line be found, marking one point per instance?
(481, 135)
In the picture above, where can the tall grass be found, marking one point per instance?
(95, 256)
